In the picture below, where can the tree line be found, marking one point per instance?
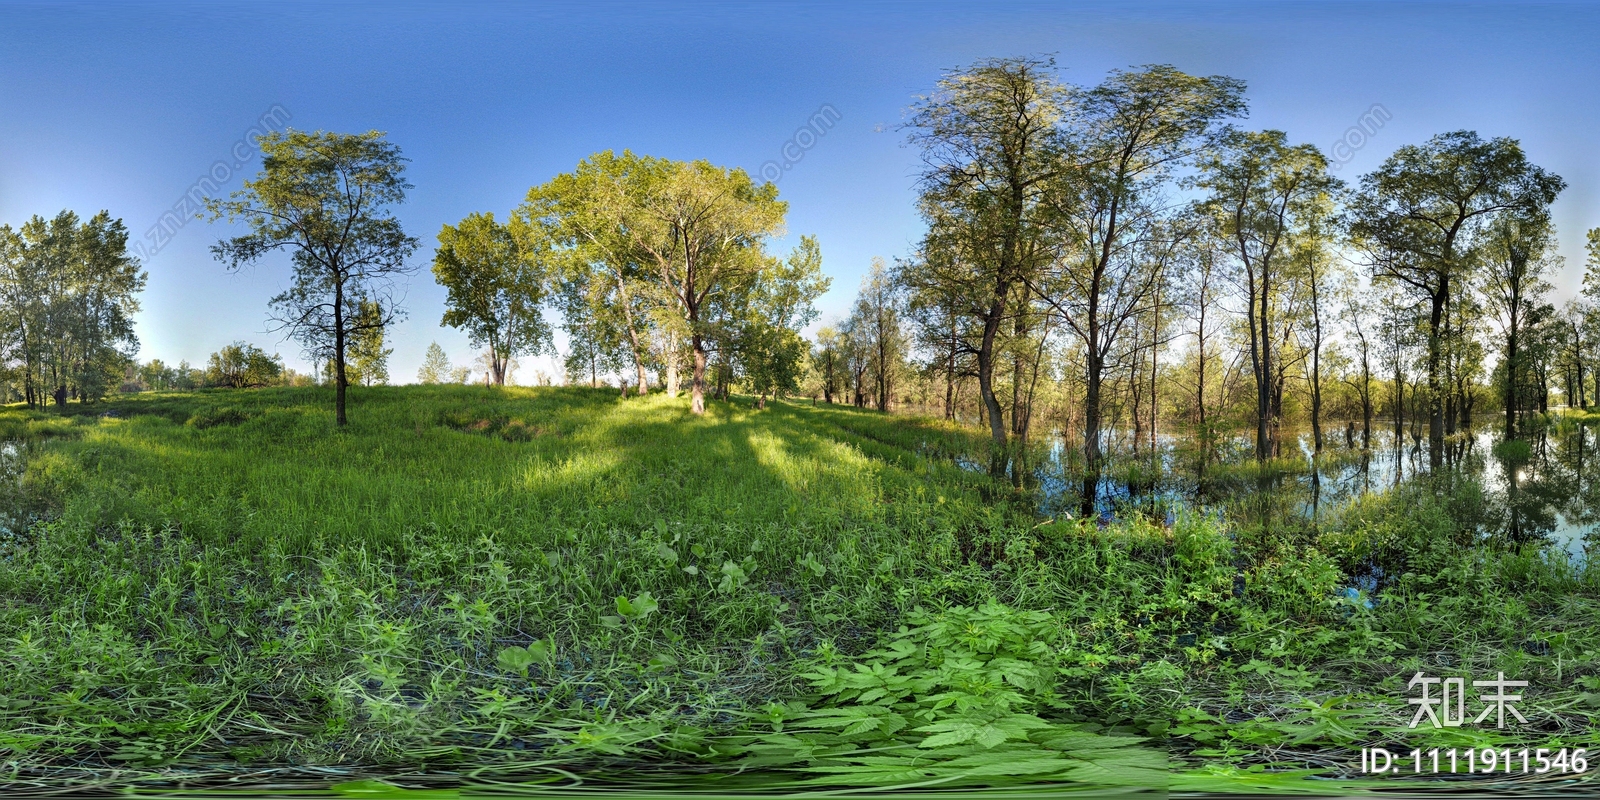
(68, 291)
(1106, 259)
(1127, 253)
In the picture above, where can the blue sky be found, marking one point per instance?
(123, 106)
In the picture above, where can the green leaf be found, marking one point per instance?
(518, 659)
(644, 605)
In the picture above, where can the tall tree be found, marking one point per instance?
(939, 329)
(1421, 216)
(242, 366)
(1514, 260)
(1316, 270)
(1128, 136)
(327, 199)
(827, 361)
(591, 213)
(68, 291)
(766, 343)
(1355, 314)
(699, 231)
(1258, 186)
(877, 321)
(990, 141)
(1577, 322)
(496, 284)
(1199, 289)
(435, 366)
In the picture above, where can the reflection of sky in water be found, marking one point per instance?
(1554, 495)
(14, 516)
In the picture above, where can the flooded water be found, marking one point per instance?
(17, 511)
(1548, 492)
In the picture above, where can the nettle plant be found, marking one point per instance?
(962, 696)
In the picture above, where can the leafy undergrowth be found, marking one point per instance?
(966, 697)
(792, 599)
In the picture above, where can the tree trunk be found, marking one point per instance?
(950, 376)
(697, 386)
(1511, 377)
(671, 357)
(1094, 374)
(1435, 387)
(1366, 402)
(991, 403)
(1316, 372)
(338, 355)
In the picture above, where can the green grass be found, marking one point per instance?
(524, 582)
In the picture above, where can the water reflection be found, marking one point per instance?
(1544, 491)
(16, 512)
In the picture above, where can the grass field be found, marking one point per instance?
(523, 582)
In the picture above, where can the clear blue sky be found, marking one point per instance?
(122, 106)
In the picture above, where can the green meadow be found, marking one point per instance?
(530, 584)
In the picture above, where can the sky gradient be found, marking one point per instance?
(124, 106)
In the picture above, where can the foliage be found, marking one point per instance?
(368, 358)
(435, 366)
(688, 236)
(240, 365)
(68, 292)
(324, 197)
(495, 286)
(1422, 217)
(959, 698)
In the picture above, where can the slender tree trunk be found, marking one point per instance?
(950, 378)
(1366, 401)
(1019, 329)
(1399, 404)
(1316, 363)
(1155, 353)
(991, 403)
(1512, 378)
(1435, 386)
(671, 358)
(1264, 378)
(1200, 381)
(339, 381)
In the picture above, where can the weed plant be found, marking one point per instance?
(509, 583)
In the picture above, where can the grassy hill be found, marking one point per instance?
(534, 579)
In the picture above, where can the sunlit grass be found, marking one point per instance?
(227, 580)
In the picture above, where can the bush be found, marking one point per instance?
(213, 417)
(1515, 451)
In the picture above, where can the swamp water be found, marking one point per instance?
(1551, 495)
